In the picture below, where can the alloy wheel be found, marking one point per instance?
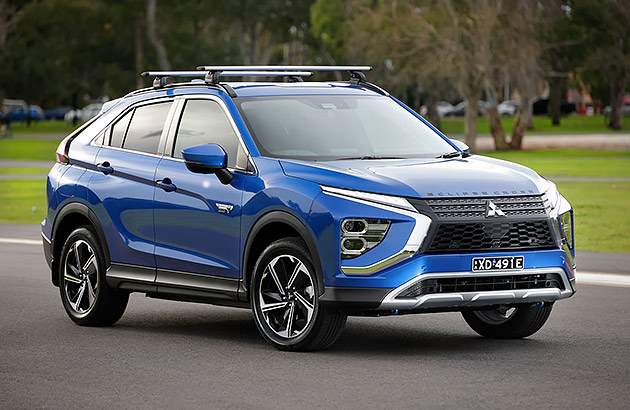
(286, 296)
(80, 277)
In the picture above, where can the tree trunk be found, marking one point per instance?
(496, 128)
(617, 91)
(470, 126)
(555, 99)
(432, 113)
(521, 121)
(139, 51)
(157, 42)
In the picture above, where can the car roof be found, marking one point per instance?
(260, 89)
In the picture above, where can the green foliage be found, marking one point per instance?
(22, 200)
(40, 149)
(542, 124)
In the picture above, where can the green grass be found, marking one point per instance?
(571, 163)
(11, 171)
(36, 149)
(22, 200)
(568, 125)
(44, 127)
(602, 215)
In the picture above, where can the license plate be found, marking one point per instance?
(497, 263)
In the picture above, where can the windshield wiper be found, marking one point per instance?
(452, 154)
(368, 157)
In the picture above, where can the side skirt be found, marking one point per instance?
(175, 285)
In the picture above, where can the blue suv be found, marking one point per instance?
(304, 201)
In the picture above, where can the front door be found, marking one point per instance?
(197, 218)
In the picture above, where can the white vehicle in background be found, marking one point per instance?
(444, 108)
(507, 108)
(85, 113)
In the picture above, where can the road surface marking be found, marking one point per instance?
(597, 278)
(21, 241)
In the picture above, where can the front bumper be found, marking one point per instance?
(388, 299)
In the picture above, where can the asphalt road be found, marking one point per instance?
(174, 355)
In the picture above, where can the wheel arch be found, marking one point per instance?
(269, 228)
(69, 218)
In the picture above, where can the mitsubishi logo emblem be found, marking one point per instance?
(492, 210)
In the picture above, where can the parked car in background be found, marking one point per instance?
(19, 110)
(443, 108)
(460, 109)
(57, 113)
(507, 108)
(541, 107)
(625, 110)
(86, 113)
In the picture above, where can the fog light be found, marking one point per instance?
(360, 235)
(353, 244)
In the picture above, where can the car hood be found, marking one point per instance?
(423, 177)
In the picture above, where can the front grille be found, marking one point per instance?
(490, 236)
(482, 284)
(468, 208)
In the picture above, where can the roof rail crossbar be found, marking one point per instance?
(284, 68)
(212, 76)
(356, 72)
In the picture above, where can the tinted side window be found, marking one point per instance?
(119, 129)
(146, 126)
(204, 122)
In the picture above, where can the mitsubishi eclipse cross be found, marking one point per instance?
(303, 201)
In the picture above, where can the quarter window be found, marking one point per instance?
(204, 122)
(119, 130)
(146, 127)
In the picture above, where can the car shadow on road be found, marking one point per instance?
(378, 337)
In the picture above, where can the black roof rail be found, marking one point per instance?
(211, 74)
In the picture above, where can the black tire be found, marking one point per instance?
(524, 321)
(311, 329)
(103, 306)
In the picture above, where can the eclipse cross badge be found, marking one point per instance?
(493, 211)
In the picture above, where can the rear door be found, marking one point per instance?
(122, 192)
(197, 218)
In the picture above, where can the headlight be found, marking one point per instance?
(557, 203)
(360, 235)
(562, 211)
(566, 223)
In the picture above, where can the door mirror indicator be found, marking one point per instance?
(208, 159)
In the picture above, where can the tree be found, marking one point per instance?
(606, 26)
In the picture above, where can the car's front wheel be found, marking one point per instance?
(284, 294)
(87, 299)
(508, 322)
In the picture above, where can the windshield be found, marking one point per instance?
(334, 127)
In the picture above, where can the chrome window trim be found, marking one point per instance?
(107, 129)
(411, 247)
(484, 298)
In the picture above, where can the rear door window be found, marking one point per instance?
(145, 129)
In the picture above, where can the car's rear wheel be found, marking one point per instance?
(87, 299)
(508, 322)
(284, 294)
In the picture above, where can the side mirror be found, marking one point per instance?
(462, 146)
(208, 159)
